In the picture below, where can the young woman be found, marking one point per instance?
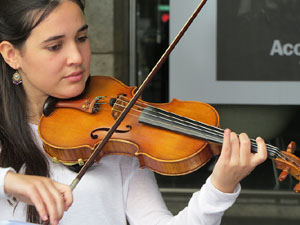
(45, 52)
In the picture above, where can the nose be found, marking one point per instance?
(74, 55)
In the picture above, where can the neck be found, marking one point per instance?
(33, 119)
(34, 111)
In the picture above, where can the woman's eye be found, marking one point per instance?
(82, 39)
(54, 47)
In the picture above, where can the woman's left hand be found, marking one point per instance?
(236, 160)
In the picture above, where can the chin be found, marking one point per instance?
(74, 92)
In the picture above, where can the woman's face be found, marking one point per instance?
(55, 59)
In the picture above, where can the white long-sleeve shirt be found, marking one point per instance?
(116, 190)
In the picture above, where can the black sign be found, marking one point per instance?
(258, 40)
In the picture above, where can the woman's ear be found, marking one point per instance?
(9, 54)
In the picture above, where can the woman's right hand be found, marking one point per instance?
(49, 197)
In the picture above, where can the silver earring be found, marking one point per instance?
(16, 78)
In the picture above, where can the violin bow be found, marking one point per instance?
(136, 96)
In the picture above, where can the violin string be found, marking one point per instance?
(209, 129)
(212, 130)
(214, 133)
(162, 115)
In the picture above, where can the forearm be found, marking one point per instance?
(145, 204)
(206, 207)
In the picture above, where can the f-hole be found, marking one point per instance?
(95, 136)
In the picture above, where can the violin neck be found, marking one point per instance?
(163, 119)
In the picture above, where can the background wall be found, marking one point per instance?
(108, 33)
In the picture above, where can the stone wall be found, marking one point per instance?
(108, 33)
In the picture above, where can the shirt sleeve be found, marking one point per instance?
(145, 204)
(3, 172)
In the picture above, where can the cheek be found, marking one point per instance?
(42, 72)
(86, 52)
(42, 64)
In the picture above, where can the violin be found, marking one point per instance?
(153, 132)
(174, 138)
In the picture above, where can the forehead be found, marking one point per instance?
(67, 16)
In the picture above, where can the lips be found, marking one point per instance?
(75, 76)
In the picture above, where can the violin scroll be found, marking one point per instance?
(289, 164)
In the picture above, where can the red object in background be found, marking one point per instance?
(165, 17)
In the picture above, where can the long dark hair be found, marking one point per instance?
(18, 148)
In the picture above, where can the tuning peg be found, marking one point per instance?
(297, 188)
(285, 171)
(289, 164)
(291, 147)
(283, 175)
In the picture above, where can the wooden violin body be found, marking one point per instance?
(72, 132)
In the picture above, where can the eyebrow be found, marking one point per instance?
(53, 38)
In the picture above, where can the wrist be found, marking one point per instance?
(223, 186)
